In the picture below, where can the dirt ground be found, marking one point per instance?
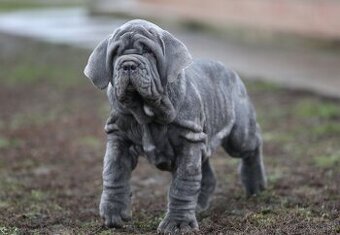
(52, 144)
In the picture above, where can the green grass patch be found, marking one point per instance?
(145, 223)
(33, 63)
(9, 184)
(12, 5)
(37, 195)
(314, 108)
(4, 204)
(18, 5)
(259, 85)
(34, 73)
(275, 175)
(9, 230)
(328, 161)
(90, 141)
(20, 120)
(327, 129)
(279, 137)
(106, 232)
(4, 143)
(262, 219)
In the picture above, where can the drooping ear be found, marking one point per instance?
(99, 66)
(176, 56)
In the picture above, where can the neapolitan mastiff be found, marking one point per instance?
(175, 111)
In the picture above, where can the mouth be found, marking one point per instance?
(132, 100)
(130, 88)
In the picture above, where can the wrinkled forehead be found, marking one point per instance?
(132, 29)
(137, 35)
(136, 24)
(136, 30)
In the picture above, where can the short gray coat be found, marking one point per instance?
(175, 111)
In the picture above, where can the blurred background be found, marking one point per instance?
(51, 118)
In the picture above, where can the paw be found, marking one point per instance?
(205, 197)
(114, 214)
(171, 225)
(255, 188)
(203, 202)
(254, 180)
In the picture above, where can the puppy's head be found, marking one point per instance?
(139, 59)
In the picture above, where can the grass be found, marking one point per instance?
(4, 142)
(9, 230)
(52, 144)
(315, 108)
(328, 161)
(90, 142)
(35, 65)
(12, 5)
(9, 143)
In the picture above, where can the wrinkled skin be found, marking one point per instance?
(175, 112)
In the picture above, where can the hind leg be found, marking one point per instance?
(249, 149)
(208, 185)
(252, 171)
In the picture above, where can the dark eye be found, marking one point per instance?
(146, 50)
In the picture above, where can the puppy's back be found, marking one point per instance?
(219, 90)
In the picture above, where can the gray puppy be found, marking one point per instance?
(175, 112)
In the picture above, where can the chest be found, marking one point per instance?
(152, 141)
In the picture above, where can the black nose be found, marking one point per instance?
(129, 66)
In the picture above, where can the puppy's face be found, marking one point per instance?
(140, 60)
(136, 77)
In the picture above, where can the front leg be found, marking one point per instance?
(207, 187)
(116, 197)
(183, 193)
